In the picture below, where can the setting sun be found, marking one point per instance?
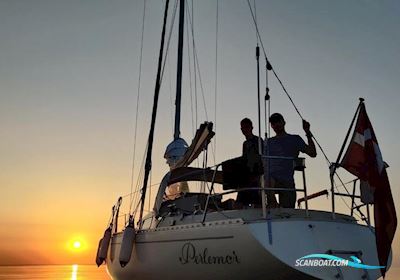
(77, 244)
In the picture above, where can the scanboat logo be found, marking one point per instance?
(330, 260)
(190, 254)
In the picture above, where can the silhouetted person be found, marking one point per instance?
(253, 162)
(281, 171)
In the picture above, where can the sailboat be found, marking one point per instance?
(203, 235)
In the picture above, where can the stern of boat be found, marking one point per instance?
(291, 238)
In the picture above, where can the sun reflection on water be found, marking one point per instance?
(74, 274)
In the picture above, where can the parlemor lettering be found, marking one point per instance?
(189, 254)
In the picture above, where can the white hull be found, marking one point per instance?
(238, 248)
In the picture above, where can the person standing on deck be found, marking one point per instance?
(250, 154)
(281, 171)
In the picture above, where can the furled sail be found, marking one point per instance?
(199, 143)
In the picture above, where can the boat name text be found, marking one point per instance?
(190, 254)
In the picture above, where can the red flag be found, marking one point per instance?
(363, 159)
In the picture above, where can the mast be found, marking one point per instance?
(179, 70)
(147, 167)
(177, 148)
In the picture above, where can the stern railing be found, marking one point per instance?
(298, 165)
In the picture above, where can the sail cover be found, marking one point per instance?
(195, 174)
(199, 143)
(363, 159)
(182, 174)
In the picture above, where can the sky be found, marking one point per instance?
(69, 80)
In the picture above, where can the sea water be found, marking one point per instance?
(84, 272)
(54, 272)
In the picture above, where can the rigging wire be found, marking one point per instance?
(195, 78)
(205, 160)
(166, 58)
(258, 94)
(190, 68)
(149, 187)
(160, 73)
(216, 82)
(197, 66)
(266, 58)
(169, 40)
(137, 100)
(137, 188)
(134, 199)
(280, 81)
(195, 72)
(255, 17)
(290, 98)
(171, 111)
(266, 78)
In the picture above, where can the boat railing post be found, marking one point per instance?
(210, 193)
(116, 217)
(352, 197)
(263, 197)
(332, 173)
(305, 191)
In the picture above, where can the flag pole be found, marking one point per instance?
(335, 165)
(348, 133)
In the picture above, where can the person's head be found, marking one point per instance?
(247, 127)
(277, 123)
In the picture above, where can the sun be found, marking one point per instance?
(76, 245)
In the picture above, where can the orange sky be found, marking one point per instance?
(68, 85)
